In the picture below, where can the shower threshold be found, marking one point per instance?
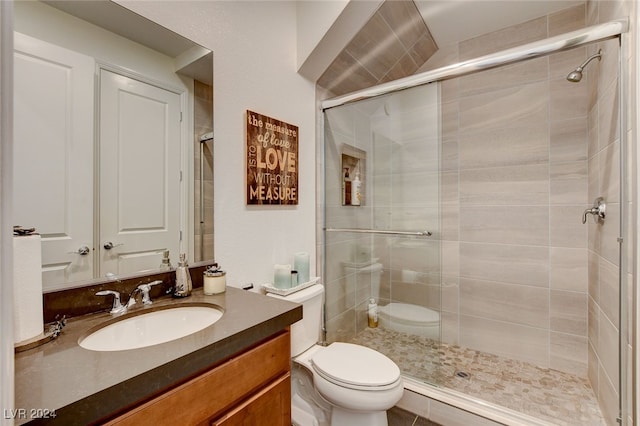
(549, 395)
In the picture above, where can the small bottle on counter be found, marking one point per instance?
(373, 313)
(183, 285)
(166, 262)
(215, 280)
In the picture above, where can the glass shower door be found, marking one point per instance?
(382, 234)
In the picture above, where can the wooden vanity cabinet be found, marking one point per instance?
(253, 387)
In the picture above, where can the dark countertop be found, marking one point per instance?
(84, 387)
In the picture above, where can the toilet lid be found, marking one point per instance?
(349, 364)
(405, 313)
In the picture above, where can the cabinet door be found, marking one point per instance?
(269, 407)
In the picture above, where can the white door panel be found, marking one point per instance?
(139, 169)
(53, 154)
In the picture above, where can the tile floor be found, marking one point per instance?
(550, 395)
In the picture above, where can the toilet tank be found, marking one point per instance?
(306, 332)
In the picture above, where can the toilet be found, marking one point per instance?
(355, 383)
(402, 317)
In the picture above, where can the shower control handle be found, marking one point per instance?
(598, 211)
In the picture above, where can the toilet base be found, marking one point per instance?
(341, 417)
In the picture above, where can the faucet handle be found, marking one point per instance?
(117, 307)
(146, 288)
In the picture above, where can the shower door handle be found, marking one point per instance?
(598, 211)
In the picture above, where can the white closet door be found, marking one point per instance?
(53, 155)
(139, 174)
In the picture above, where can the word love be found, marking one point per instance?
(273, 158)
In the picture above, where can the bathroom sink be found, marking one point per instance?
(150, 327)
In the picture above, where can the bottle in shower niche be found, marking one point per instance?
(346, 188)
(356, 196)
(373, 313)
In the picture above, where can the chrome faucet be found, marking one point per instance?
(118, 307)
(145, 289)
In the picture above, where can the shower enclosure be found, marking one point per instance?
(466, 230)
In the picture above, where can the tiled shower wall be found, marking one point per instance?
(515, 181)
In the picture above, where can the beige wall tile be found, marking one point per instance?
(569, 353)
(566, 226)
(504, 147)
(570, 19)
(568, 312)
(609, 291)
(525, 265)
(516, 35)
(608, 116)
(505, 339)
(511, 185)
(449, 155)
(594, 275)
(608, 65)
(517, 106)
(516, 304)
(505, 224)
(609, 173)
(608, 349)
(342, 328)
(569, 269)
(568, 141)
(608, 398)
(568, 100)
(450, 293)
(569, 183)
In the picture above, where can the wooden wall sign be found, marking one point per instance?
(272, 161)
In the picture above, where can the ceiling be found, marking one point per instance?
(191, 59)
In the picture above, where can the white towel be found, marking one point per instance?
(27, 287)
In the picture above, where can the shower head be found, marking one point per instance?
(576, 75)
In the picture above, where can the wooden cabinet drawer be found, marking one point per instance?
(217, 390)
(269, 407)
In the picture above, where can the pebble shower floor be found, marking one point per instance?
(550, 395)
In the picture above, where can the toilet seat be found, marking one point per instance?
(356, 367)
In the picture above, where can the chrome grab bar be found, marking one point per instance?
(380, 231)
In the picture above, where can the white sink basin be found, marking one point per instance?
(151, 327)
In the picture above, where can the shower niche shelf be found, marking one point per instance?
(353, 173)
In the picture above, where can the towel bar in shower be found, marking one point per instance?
(380, 231)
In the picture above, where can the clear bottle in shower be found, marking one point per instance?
(372, 313)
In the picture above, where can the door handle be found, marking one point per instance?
(109, 245)
(82, 251)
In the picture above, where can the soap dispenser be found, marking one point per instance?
(183, 278)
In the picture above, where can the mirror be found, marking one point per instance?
(113, 150)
